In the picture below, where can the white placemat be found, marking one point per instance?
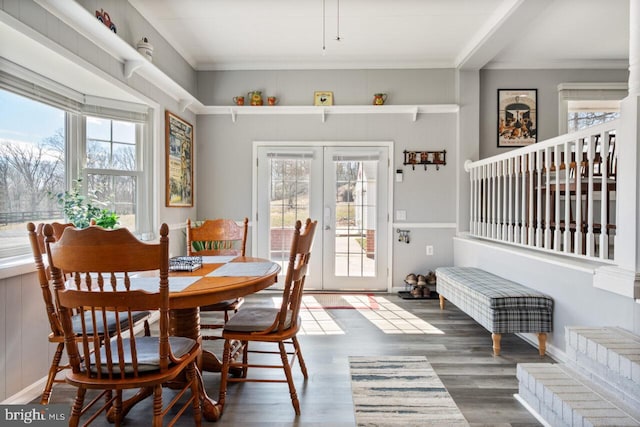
(151, 284)
(239, 269)
(218, 259)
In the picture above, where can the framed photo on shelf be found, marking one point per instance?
(179, 161)
(323, 98)
(517, 117)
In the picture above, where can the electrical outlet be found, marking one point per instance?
(429, 250)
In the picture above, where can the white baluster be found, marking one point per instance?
(547, 205)
(578, 181)
(472, 201)
(516, 204)
(510, 202)
(492, 174)
(538, 190)
(556, 194)
(590, 154)
(504, 166)
(604, 204)
(485, 198)
(567, 197)
(530, 224)
(498, 170)
(523, 205)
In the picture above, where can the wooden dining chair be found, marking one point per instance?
(91, 271)
(56, 336)
(271, 325)
(218, 237)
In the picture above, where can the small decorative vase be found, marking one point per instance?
(145, 48)
(255, 97)
(379, 98)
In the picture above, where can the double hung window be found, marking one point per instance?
(49, 141)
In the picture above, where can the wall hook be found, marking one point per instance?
(403, 236)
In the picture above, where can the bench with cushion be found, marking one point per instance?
(498, 304)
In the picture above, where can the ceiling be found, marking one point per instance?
(466, 34)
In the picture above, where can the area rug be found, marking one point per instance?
(400, 391)
(323, 300)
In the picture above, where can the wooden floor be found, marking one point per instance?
(458, 349)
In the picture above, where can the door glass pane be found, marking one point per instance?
(355, 224)
(288, 202)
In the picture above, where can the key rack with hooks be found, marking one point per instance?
(425, 158)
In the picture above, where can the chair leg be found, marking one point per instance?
(76, 409)
(117, 408)
(303, 367)
(289, 375)
(195, 393)
(53, 371)
(157, 405)
(226, 360)
(245, 358)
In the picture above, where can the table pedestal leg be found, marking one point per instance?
(186, 323)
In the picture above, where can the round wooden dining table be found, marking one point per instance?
(185, 313)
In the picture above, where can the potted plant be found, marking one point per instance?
(80, 210)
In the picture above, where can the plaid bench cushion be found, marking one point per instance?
(491, 290)
(500, 305)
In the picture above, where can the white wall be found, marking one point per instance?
(546, 82)
(25, 352)
(223, 157)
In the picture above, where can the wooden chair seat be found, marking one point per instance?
(111, 321)
(147, 358)
(256, 320)
(229, 304)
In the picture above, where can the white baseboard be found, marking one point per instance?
(27, 394)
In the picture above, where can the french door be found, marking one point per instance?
(344, 188)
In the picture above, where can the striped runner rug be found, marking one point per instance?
(400, 391)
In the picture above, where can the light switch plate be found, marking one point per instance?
(401, 215)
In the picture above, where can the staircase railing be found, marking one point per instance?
(546, 197)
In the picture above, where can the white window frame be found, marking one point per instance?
(77, 106)
(586, 92)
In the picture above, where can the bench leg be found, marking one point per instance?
(542, 343)
(496, 343)
(441, 302)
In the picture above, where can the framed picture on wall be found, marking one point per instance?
(517, 117)
(179, 161)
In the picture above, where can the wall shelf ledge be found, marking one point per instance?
(323, 111)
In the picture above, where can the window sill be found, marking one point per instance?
(16, 266)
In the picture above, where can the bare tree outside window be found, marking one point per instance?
(32, 147)
(579, 120)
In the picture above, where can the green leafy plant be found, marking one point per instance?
(80, 210)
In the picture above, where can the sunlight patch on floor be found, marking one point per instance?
(383, 314)
(315, 321)
(392, 319)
